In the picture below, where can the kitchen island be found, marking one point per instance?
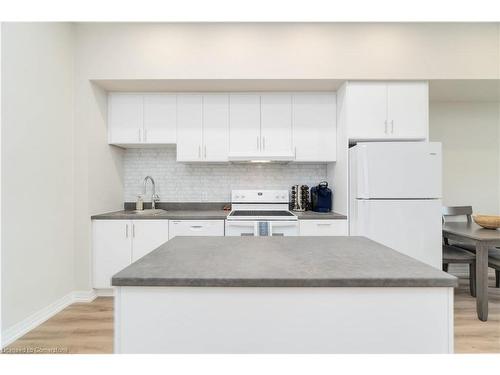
(282, 295)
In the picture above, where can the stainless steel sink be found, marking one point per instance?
(156, 211)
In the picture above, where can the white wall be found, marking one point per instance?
(291, 51)
(37, 167)
(469, 132)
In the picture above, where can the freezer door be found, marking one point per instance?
(392, 170)
(412, 227)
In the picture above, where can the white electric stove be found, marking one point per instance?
(261, 213)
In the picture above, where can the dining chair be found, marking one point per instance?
(454, 253)
(493, 253)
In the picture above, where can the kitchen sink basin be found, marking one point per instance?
(149, 211)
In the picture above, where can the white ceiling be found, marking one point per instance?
(439, 90)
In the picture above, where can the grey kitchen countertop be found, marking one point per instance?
(166, 215)
(311, 215)
(203, 214)
(279, 262)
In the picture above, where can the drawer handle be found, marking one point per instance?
(324, 224)
(196, 226)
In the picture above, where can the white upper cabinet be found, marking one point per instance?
(366, 110)
(215, 127)
(387, 110)
(189, 127)
(244, 124)
(141, 119)
(202, 127)
(408, 110)
(314, 127)
(125, 118)
(160, 118)
(219, 127)
(276, 124)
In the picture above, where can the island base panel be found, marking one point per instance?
(283, 320)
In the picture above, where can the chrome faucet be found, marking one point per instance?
(154, 197)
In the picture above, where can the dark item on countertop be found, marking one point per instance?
(300, 198)
(321, 197)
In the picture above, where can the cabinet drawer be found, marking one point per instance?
(196, 228)
(323, 228)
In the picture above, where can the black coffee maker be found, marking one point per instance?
(321, 197)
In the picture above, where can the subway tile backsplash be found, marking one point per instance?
(181, 182)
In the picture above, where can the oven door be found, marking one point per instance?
(241, 228)
(284, 228)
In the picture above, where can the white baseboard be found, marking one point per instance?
(104, 292)
(84, 295)
(14, 332)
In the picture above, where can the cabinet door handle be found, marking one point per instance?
(205, 151)
(126, 230)
(392, 126)
(139, 134)
(258, 145)
(385, 123)
(145, 135)
(295, 152)
(133, 230)
(263, 143)
(199, 152)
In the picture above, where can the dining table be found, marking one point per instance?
(482, 239)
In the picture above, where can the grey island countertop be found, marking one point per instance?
(279, 262)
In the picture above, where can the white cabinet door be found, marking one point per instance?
(276, 124)
(323, 228)
(196, 228)
(215, 127)
(111, 248)
(160, 118)
(314, 127)
(125, 118)
(147, 235)
(189, 127)
(367, 110)
(244, 124)
(408, 110)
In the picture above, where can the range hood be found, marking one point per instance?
(261, 158)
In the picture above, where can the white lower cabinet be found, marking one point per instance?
(323, 228)
(196, 228)
(118, 243)
(148, 235)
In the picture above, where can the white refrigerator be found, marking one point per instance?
(395, 196)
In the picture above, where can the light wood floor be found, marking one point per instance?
(88, 327)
